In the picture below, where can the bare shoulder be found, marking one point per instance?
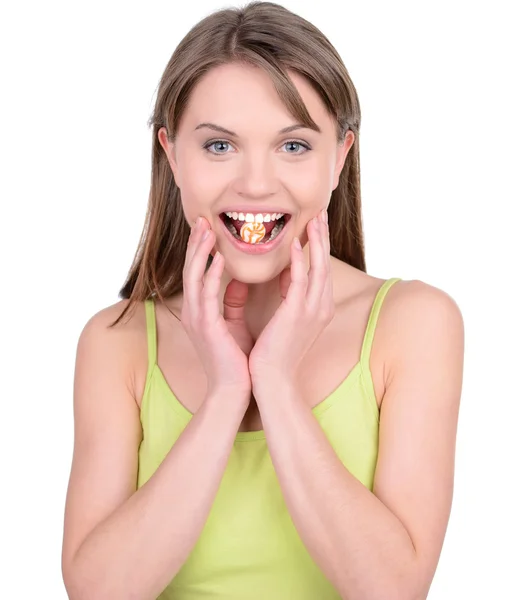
(410, 302)
(122, 345)
(415, 317)
(417, 314)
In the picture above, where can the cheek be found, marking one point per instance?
(309, 187)
(312, 173)
(199, 183)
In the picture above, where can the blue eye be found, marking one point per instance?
(211, 143)
(306, 146)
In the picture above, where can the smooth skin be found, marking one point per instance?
(307, 308)
(307, 304)
(222, 341)
(118, 541)
(114, 535)
(397, 529)
(257, 166)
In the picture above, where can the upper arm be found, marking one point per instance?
(107, 431)
(419, 416)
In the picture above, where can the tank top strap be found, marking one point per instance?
(151, 332)
(372, 322)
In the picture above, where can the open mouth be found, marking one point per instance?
(272, 228)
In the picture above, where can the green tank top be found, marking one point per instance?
(249, 547)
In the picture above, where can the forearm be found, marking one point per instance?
(138, 550)
(358, 543)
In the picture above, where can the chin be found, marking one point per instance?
(253, 275)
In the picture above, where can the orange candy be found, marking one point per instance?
(252, 233)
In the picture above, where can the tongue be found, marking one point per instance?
(239, 224)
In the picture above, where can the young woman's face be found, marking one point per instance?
(259, 168)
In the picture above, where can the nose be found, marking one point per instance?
(256, 177)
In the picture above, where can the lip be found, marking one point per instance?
(255, 249)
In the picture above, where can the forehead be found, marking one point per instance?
(235, 95)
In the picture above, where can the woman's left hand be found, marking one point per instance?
(306, 309)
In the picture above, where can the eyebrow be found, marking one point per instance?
(233, 134)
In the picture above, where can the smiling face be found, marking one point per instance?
(254, 167)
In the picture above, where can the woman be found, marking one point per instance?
(270, 421)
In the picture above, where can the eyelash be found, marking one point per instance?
(300, 143)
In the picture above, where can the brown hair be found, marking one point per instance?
(268, 36)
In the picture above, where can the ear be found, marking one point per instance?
(342, 152)
(170, 150)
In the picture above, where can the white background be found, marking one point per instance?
(78, 84)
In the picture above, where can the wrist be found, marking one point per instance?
(267, 377)
(283, 395)
(271, 382)
(233, 398)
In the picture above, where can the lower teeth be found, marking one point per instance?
(274, 233)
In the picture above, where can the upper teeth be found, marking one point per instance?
(254, 218)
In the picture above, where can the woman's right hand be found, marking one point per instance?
(223, 343)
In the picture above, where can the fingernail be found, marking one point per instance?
(197, 222)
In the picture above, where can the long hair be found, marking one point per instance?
(268, 36)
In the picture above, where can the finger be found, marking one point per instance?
(299, 279)
(235, 298)
(285, 281)
(318, 272)
(326, 238)
(193, 241)
(211, 287)
(194, 272)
